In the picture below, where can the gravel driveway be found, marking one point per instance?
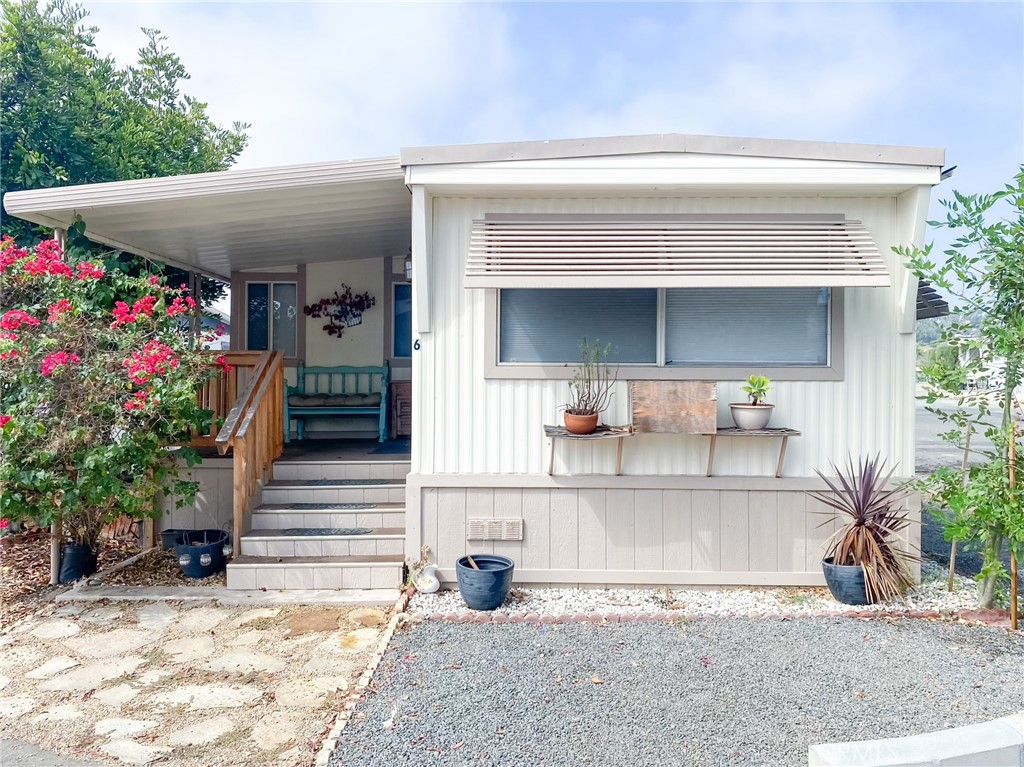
(711, 692)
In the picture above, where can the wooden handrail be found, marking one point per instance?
(254, 432)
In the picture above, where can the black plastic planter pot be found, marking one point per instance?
(77, 560)
(486, 588)
(171, 538)
(846, 582)
(201, 552)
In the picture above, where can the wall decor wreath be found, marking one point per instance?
(343, 310)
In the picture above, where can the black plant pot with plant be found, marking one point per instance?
(864, 561)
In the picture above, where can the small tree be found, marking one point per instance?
(91, 397)
(984, 271)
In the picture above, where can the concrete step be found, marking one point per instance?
(341, 469)
(283, 515)
(300, 573)
(297, 542)
(334, 491)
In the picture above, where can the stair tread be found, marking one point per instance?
(283, 533)
(298, 484)
(377, 559)
(334, 508)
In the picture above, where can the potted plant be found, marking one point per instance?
(757, 413)
(484, 580)
(590, 388)
(863, 561)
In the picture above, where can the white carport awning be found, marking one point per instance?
(672, 251)
(240, 219)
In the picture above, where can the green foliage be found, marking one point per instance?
(72, 116)
(757, 388)
(91, 398)
(984, 271)
(590, 388)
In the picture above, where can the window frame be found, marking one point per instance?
(240, 282)
(392, 357)
(832, 371)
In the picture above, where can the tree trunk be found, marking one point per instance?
(987, 589)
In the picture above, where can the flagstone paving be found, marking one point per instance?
(181, 685)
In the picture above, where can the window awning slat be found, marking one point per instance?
(658, 251)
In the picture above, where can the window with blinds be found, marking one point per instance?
(724, 327)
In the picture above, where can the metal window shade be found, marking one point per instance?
(672, 251)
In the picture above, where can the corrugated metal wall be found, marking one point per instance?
(466, 424)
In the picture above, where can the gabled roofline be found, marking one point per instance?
(673, 142)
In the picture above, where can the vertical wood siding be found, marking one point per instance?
(468, 425)
(641, 535)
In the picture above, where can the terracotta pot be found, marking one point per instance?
(580, 424)
(751, 417)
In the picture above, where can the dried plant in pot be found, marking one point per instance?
(757, 413)
(590, 388)
(864, 562)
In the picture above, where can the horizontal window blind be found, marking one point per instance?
(547, 325)
(746, 326)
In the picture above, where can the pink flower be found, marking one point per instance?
(155, 359)
(179, 306)
(8, 355)
(52, 362)
(13, 319)
(222, 361)
(153, 280)
(89, 271)
(4, 420)
(57, 309)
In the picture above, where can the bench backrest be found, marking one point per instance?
(674, 407)
(343, 379)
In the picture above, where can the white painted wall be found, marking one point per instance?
(467, 424)
(361, 345)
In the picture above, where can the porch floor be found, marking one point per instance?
(346, 450)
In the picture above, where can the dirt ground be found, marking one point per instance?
(184, 685)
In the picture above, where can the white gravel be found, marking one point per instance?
(930, 595)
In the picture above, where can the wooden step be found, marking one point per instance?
(289, 542)
(382, 571)
(334, 491)
(282, 515)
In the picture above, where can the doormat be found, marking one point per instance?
(331, 482)
(304, 531)
(394, 446)
(324, 506)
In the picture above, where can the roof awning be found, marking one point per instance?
(929, 303)
(600, 251)
(234, 220)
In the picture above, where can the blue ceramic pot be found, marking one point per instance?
(171, 538)
(192, 545)
(486, 588)
(846, 582)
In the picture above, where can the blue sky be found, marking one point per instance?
(338, 80)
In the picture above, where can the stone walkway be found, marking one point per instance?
(183, 685)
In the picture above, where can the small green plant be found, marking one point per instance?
(757, 389)
(590, 388)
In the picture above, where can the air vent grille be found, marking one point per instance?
(494, 530)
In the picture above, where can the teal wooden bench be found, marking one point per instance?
(336, 391)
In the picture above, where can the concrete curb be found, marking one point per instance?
(227, 597)
(329, 743)
(987, 618)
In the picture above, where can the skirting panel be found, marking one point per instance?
(632, 536)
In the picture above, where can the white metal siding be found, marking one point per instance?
(466, 424)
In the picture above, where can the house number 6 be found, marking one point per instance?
(416, 344)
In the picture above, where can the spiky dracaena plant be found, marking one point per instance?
(874, 519)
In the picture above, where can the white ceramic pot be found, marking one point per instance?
(426, 581)
(751, 417)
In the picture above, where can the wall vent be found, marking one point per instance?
(494, 530)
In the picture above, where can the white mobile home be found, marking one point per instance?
(700, 259)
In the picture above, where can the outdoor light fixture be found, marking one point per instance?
(408, 270)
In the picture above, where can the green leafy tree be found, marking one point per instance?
(71, 116)
(984, 271)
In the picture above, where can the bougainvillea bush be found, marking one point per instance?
(98, 381)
